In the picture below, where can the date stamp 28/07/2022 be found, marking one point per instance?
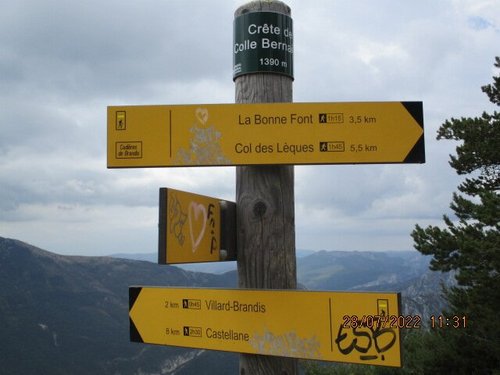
(404, 321)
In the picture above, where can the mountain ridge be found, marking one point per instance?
(69, 314)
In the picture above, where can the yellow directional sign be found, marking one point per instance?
(328, 326)
(272, 133)
(195, 228)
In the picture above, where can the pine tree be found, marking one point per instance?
(470, 244)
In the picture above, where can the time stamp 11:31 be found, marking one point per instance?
(454, 321)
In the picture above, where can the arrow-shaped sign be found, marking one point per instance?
(329, 326)
(272, 133)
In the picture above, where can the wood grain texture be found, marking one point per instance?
(266, 227)
(265, 208)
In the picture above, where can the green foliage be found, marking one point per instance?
(493, 90)
(317, 368)
(469, 244)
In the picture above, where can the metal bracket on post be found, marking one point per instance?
(228, 231)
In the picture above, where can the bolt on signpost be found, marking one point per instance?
(263, 134)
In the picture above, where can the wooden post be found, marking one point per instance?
(265, 208)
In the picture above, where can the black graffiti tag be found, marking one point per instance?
(177, 219)
(211, 221)
(362, 339)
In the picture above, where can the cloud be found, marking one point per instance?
(62, 64)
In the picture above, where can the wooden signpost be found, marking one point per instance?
(265, 202)
(264, 134)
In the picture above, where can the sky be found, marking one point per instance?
(63, 62)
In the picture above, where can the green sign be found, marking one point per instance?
(263, 43)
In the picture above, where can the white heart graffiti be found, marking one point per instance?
(202, 115)
(194, 211)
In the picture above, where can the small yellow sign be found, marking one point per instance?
(383, 307)
(121, 120)
(327, 326)
(272, 133)
(190, 228)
